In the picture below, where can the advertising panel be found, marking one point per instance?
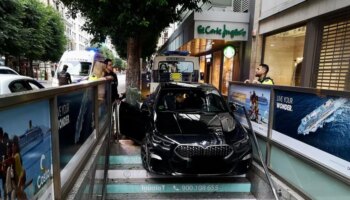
(103, 100)
(257, 103)
(76, 122)
(314, 126)
(25, 150)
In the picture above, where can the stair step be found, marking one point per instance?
(122, 160)
(193, 196)
(137, 172)
(127, 179)
(137, 188)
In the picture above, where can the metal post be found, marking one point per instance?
(55, 149)
(267, 173)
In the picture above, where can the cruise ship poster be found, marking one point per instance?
(76, 122)
(256, 100)
(317, 127)
(27, 127)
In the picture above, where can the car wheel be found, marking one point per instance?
(145, 157)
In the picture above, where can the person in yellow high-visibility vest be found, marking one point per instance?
(261, 72)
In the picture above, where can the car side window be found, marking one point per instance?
(18, 86)
(5, 71)
(34, 85)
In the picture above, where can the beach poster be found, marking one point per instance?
(256, 101)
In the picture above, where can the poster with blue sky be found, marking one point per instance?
(256, 100)
(317, 127)
(25, 148)
(76, 122)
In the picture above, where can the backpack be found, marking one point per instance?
(63, 78)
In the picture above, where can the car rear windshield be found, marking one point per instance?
(76, 68)
(191, 100)
(176, 66)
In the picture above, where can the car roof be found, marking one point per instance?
(6, 79)
(8, 68)
(11, 77)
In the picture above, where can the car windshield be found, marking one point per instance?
(191, 100)
(76, 68)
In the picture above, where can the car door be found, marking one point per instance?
(132, 121)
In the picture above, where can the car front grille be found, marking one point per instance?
(190, 151)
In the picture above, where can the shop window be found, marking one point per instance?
(226, 74)
(284, 55)
(215, 70)
(333, 70)
(202, 63)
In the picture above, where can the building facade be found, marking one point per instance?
(219, 36)
(78, 39)
(305, 43)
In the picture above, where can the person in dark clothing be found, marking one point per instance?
(110, 75)
(64, 77)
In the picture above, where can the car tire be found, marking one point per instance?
(145, 157)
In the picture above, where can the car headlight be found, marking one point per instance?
(161, 141)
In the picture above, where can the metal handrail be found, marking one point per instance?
(267, 173)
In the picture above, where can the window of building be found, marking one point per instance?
(284, 55)
(333, 69)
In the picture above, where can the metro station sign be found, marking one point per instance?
(223, 31)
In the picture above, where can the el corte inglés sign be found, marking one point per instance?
(222, 32)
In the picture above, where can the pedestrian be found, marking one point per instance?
(261, 73)
(64, 77)
(110, 75)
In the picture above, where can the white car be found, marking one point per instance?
(7, 70)
(16, 83)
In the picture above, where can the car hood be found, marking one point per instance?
(214, 128)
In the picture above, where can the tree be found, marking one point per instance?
(10, 27)
(104, 50)
(33, 31)
(54, 34)
(43, 32)
(131, 24)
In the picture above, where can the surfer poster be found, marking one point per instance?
(317, 127)
(25, 148)
(256, 101)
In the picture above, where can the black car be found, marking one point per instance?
(187, 129)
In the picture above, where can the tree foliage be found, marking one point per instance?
(134, 26)
(105, 51)
(10, 27)
(56, 40)
(30, 29)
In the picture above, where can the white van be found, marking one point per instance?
(80, 64)
(174, 66)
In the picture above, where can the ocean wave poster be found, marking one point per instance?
(25, 150)
(76, 122)
(256, 100)
(317, 127)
